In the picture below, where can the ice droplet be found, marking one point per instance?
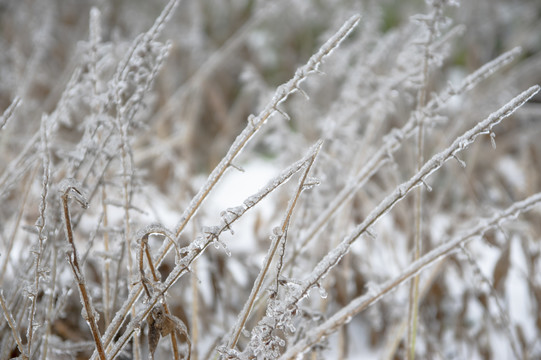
(291, 327)
(372, 289)
(323, 292)
(277, 231)
(84, 314)
(251, 201)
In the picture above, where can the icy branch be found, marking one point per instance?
(240, 142)
(393, 141)
(278, 239)
(460, 143)
(196, 248)
(441, 252)
(8, 113)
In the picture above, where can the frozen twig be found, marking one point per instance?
(13, 325)
(195, 249)
(277, 239)
(8, 113)
(460, 143)
(392, 142)
(50, 303)
(89, 313)
(282, 93)
(40, 224)
(360, 303)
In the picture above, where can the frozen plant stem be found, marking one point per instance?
(460, 143)
(392, 142)
(72, 257)
(8, 113)
(40, 224)
(277, 240)
(418, 204)
(360, 303)
(12, 325)
(107, 261)
(194, 250)
(254, 124)
(48, 315)
(145, 252)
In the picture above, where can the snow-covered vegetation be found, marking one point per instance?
(252, 179)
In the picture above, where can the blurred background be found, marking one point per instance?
(226, 59)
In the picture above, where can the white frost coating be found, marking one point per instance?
(334, 256)
(201, 242)
(282, 318)
(234, 150)
(8, 113)
(255, 123)
(74, 188)
(312, 66)
(95, 26)
(362, 302)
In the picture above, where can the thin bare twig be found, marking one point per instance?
(72, 257)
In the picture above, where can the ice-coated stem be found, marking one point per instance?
(254, 124)
(460, 143)
(362, 302)
(277, 240)
(73, 260)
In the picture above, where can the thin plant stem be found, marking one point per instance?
(253, 126)
(73, 260)
(107, 262)
(197, 247)
(49, 313)
(40, 224)
(195, 311)
(14, 328)
(332, 258)
(439, 253)
(278, 239)
(418, 198)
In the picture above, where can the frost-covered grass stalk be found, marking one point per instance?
(226, 216)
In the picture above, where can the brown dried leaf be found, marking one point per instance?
(153, 335)
(162, 324)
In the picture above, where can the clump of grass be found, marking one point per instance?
(144, 124)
